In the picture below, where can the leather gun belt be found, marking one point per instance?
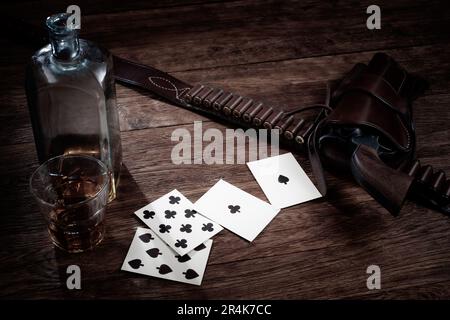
(228, 106)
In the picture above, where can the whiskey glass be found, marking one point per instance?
(72, 194)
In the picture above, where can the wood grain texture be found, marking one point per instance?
(283, 52)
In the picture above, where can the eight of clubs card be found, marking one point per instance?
(176, 221)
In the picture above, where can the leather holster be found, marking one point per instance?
(370, 130)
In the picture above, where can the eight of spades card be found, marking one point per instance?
(149, 255)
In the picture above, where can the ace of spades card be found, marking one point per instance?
(176, 221)
(283, 180)
(236, 210)
(149, 255)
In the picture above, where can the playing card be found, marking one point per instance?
(236, 210)
(149, 255)
(175, 220)
(283, 180)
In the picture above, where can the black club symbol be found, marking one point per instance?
(174, 200)
(163, 228)
(186, 228)
(234, 209)
(208, 227)
(190, 213)
(181, 243)
(170, 214)
(149, 214)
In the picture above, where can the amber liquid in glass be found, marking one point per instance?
(76, 229)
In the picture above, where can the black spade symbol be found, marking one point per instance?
(174, 200)
(200, 247)
(283, 179)
(190, 274)
(183, 258)
(135, 264)
(164, 269)
(154, 253)
(149, 214)
(234, 209)
(146, 237)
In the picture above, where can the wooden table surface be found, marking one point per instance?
(280, 51)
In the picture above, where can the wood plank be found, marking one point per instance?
(38, 10)
(358, 233)
(231, 33)
(238, 33)
(430, 291)
(273, 273)
(280, 52)
(295, 82)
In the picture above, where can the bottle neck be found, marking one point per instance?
(63, 39)
(65, 47)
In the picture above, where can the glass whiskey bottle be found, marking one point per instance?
(71, 99)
